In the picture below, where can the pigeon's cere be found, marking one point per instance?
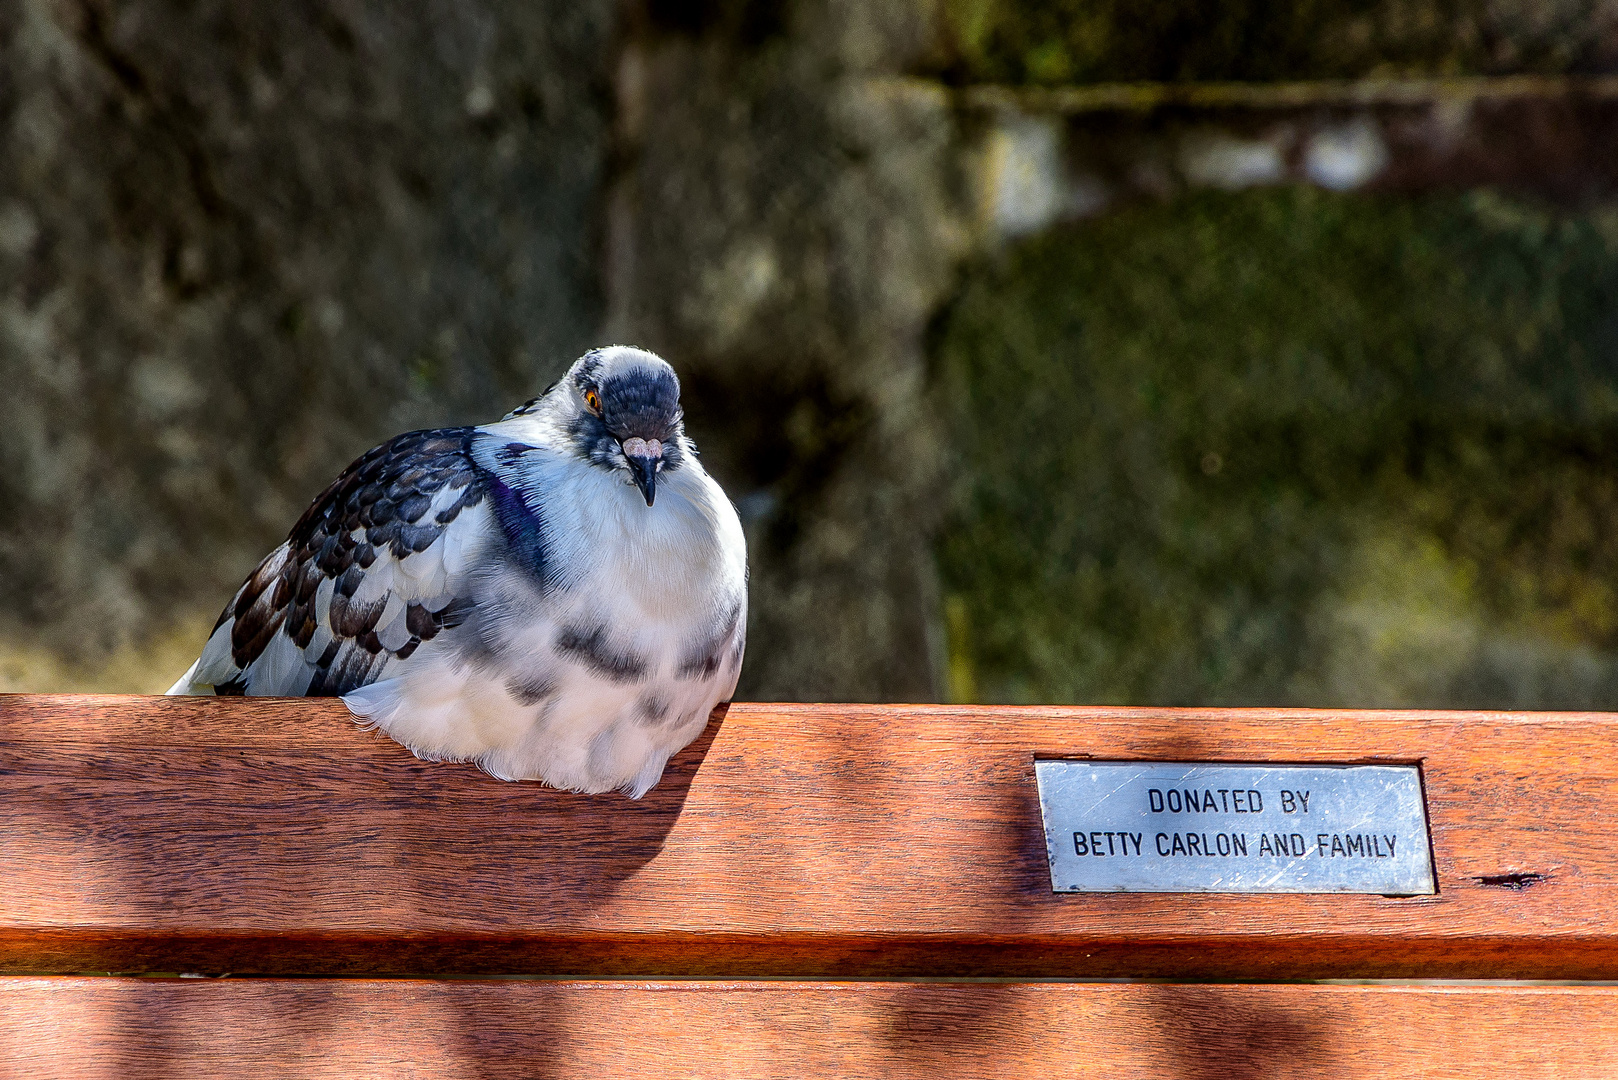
(514, 594)
(636, 447)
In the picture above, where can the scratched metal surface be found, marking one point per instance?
(1187, 827)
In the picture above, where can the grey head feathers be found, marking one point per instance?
(620, 410)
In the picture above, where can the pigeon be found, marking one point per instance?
(560, 596)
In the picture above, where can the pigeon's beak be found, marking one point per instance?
(644, 456)
(644, 471)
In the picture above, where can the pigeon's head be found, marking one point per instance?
(625, 406)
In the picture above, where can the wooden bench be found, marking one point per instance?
(548, 934)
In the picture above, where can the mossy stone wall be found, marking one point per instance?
(1289, 447)
(1060, 41)
(1262, 446)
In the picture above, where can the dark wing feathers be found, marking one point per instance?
(385, 497)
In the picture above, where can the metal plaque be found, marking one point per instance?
(1146, 826)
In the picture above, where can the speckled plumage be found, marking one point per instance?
(524, 595)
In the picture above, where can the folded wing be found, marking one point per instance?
(371, 571)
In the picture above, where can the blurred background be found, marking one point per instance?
(1170, 352)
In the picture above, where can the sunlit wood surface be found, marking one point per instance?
(275, 836)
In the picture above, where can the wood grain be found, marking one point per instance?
(131, 1028)
(274, 836)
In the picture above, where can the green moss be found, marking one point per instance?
(1049, 41)
(1289, 447)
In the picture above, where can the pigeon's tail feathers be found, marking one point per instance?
(375, 704)
(188, 684)
(216, 665)
(280, 670)
(213, 667)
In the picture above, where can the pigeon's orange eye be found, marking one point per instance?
(592, 399)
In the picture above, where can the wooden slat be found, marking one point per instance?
(141, 834)
(128, 1028)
